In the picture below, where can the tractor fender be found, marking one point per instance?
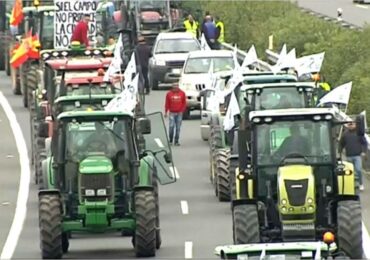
(346, 197)
(51, 191)
(47, 173)
(237, 202)
(146, 171)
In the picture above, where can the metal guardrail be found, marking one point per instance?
(260, 65)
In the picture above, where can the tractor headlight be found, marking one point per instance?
(310, 208)
(97, 52)
(241, 176)
(64, 53)
(284, 202)
(55, 54)
(89, 192)
(256, 120)
(283, 209)
(102, 192)
(45, 55)
(88, 52)
(309, 201)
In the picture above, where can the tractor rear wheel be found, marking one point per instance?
(245, 224)
(145, 233)
(349, 222)
(232, 178)
(157, 222)
(6, 63)
(31, 86)
(50, 224)
(23, 75)
(222, 174)
(65, 242)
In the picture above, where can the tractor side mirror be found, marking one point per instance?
(144, 125)
(43, 130)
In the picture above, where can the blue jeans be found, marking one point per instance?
(357, 164)
(174, 126)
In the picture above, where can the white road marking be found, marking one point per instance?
(9, 156)
(362, 6)
(365, 241)
(6, 203)
(174, 173)
(159, 142)
(184, 207)
(188, 250)
(24, 184)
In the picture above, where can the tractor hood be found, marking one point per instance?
(96, 165)
(279, 250)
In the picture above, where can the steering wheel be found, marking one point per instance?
(96, 145)
(293, 155)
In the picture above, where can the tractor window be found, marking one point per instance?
(47, 31)
(273, 98)
(95, 138)
(84, 89)
(303, 139)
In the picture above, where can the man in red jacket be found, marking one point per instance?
(176, 105)
(81, 31)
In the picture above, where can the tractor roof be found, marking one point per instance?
(84, 98)
(40, 9)
(292, 112)
(92, 115)
(79, 64)
(210, 54)
(304, 85)
(85, 80)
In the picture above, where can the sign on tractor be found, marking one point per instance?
(67, 15)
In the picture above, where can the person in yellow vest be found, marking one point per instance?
(221, 30)
(191, 26)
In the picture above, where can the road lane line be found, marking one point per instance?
(174, 173)
(159, 142)
(184, 207)
(188, 250)
(365, 241)
(24, 184)
(362, 6)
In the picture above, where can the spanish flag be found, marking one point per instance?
(34, 47)
(27, 49)
(20, 55)
(17, 13)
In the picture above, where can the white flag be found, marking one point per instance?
(116, 63)
(251, 57)
(309, 64)
(285, 61)
(131, 69)
(339, 95)
(203, 43)
(232, 110)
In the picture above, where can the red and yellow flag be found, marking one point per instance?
(27, 49)
(17, 13)
(34, 47)
(20, 55)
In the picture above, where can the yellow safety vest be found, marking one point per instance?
(222, 31)
(325, 86)
(191, 29)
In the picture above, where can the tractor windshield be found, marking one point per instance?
(283, 140)
(47, 30)
(94, 89)
(96, 138)
(202, 65)
(280, 98)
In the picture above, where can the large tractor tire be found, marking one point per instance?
(145, 233)
(157, 222)
(2, 58)
(16, 83)
(31, 86)
(232, 178)
(349, 221)
(23, 75)
(50, 224)
(214, 145)
(245, 224)
(222, 158)
(7, 64)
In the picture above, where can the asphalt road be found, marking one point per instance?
(353, 13)
(193, 222)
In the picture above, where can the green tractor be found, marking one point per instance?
(295, 188)
(99, 179)
(220, 142)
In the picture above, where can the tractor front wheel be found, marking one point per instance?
(245, 224)
(50, 224)
(145, 233)
(349, 220)
(222, 174)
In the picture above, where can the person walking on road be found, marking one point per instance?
(191, 26)
(81, 31)
(210, 33)
(176, 106)
(356, 147)
(142, 56)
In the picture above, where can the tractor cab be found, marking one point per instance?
(102, 181)
(295, 188)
